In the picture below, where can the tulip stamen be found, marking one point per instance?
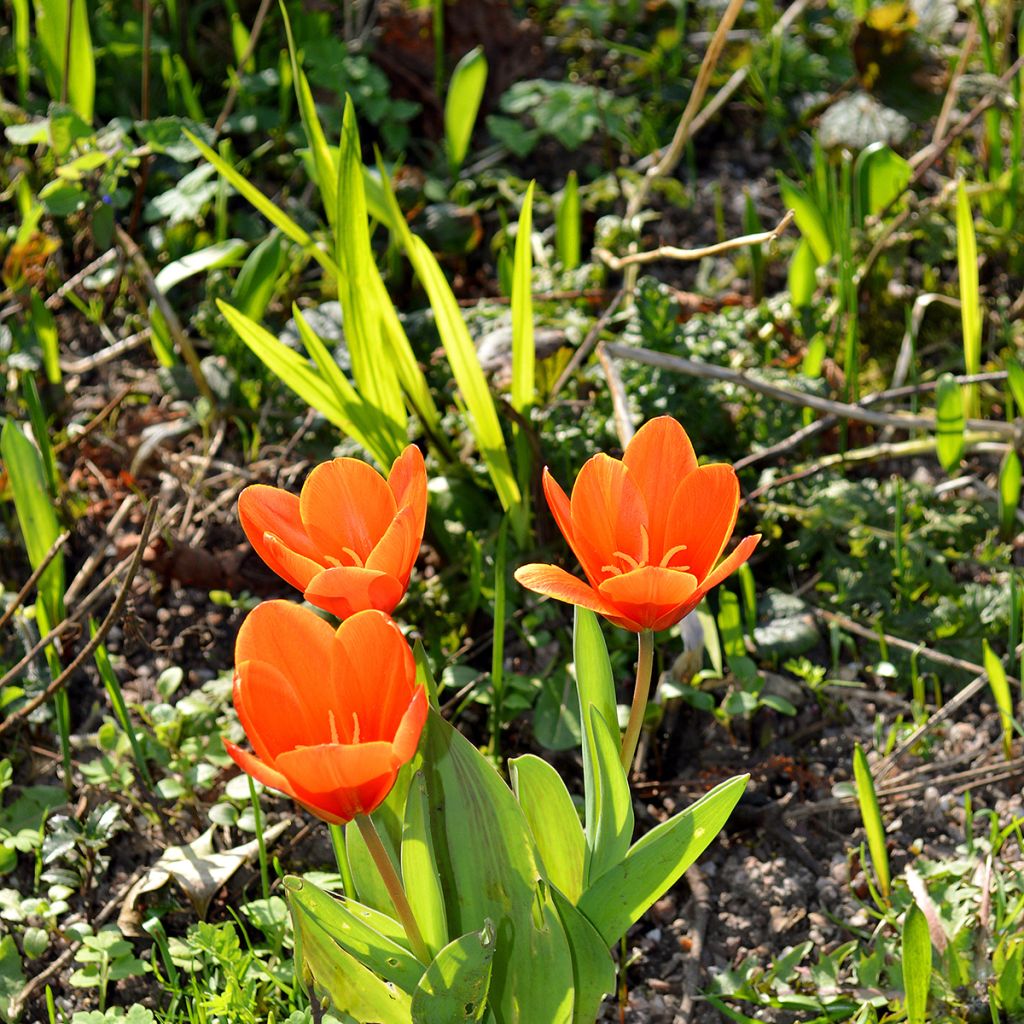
(666, 559)
(356, 560)
(355, 727)
(334, 727)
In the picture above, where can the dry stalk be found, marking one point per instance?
(671, 252)
(111, 617)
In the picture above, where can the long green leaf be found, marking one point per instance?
(375, 938)
(553, 821)
(254, 286)
(419, 869)
(970, 293)
(372, 366)
(950, 423)
(37, 519)
(51, 31)
(523, 351)
(209, 258)
(1009, 493)
(262, 204)
(365, 426)
(596, 689)
(465, 367)
(916, 947)
(613, 828)
(461, 105)
(657, 861)
(293, 371)
(871, 815)
(1001, 691)
(593, 973)
(45, 327)
(488, 867)
(326, 171)
(809, 218)
(567, 224)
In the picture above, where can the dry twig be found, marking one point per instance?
(112, 616)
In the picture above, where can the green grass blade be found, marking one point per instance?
(524, 376)
(55, 45)
(871, 815)
(45, 327)
(1001, 691)
(364, 423)
(567, 225)
(462, 104)
(809, 219)
(372, 366)
(263, 205)
(950, 422)
(38, 521)
(466, 369)
(970, 295)
(293, 371)
(117, 702)
(523, 351)
(1009, 493)
(916, 947)
(326, 172)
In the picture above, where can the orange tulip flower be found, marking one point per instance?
(332, 715)
(349, 540)
(648, 531)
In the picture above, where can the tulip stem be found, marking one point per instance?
(642, 690)
(393, 884)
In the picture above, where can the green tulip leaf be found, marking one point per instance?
(419, 869)
(454, 987)
(361, 971)
(553, 820)
(621, 895)
(489, 871)
(613, 827)
(593, 971)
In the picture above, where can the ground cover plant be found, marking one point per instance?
(308, 315)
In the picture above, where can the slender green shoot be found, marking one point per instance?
(871, 815)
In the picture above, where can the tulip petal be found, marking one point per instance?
(407, 735)
(608, 512)
(649, 594)
(346, 506)
(731, 563)
(258, 770)
(264, 510)
(372, 674)
(336, 766)
(272, 711)
(702, 516)
(554, 582)
(395, 553)
(658, 457)
(349, 589)
(295, 640)
(408, 483)
(558, 502)
(292, 567)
